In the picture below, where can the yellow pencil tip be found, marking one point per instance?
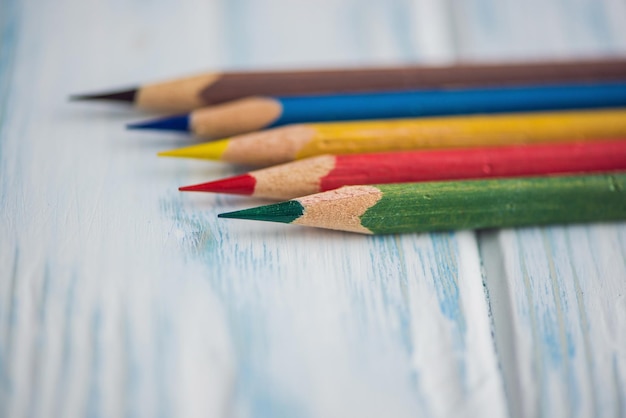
(209, 151)
(170, 153)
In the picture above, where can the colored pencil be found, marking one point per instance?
(450, 205)
(301, 141)
(254, 113)
(328, 172)
(189, 93)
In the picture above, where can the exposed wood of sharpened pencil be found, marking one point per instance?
(189, 93)
(289, 143)
(326, 172)
(252, 114)
(452, 205)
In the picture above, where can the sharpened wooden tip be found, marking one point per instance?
(327, 172)
(115, 96)
(454, 205)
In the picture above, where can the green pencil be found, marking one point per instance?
(449, 205)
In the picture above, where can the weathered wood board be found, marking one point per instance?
(121, 296)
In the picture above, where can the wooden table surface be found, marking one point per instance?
(120, 296)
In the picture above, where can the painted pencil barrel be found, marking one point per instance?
(185, 94)
(327, 172)
(255, 113)
(424, 103)
(469, 131)
(474, 163)
(232, 86)
(498, 203)
(452, 205)
(295, 142)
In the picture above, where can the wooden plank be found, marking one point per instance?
(486, 29)
(565, 301)
(122, 296)
(556, 294)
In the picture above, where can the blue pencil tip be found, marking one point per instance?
(173, 123)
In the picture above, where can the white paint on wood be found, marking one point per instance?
(559, 342)
(121, 296)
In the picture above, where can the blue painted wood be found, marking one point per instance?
(435, 102)
(565, 308)
(557, 316)
(121, 296)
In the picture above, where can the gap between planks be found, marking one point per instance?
(497, 292)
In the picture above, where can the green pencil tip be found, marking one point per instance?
(285, 212)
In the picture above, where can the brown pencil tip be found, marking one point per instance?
(116, 96)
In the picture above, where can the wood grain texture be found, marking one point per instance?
(121, 296)
(557, 316)
(566, 313)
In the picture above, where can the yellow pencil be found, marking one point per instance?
(294, 142)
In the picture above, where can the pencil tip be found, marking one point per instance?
(178, 123)
(170, 153)
(209, 151)
(115, 96)
(284, 212)
(243, 185)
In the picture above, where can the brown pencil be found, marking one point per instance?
(213, 88)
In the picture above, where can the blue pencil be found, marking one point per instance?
(254, 113)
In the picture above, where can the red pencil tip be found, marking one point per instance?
(243, 184)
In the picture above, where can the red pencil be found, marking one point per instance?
(318, 174)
